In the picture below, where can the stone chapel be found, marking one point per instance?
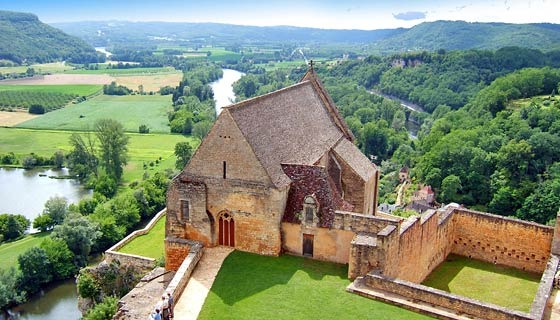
(270, 176)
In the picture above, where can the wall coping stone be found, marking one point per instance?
(545, 288)
(426, 216)
(387, 231)
(409, 222)
(364, 240)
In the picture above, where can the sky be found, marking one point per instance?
(326, 14)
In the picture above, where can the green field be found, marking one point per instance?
(148, 245)
(124, 72)
(74, 89)
(55, 67)
(131, 111)
(142, 148)
(10, 251)
(251, 286)
(504, 286)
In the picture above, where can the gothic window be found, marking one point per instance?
(185, 210)
(310, 217)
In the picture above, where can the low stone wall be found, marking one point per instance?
(137, 261)
(183, 274)
(545, 288)
(444, 299)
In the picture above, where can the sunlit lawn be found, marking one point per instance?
(10, 251)
(130, 110)
(504, 286)
(148, 245)
(142, 148)
(251, 286)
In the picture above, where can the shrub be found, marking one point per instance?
(104, 310)
(143, 129)
(36, 109)
(9, 158)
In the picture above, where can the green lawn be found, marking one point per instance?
(504, 286)
(75, 89)
(148, 245)
(130, 110)
(142, 148)
(251, 286)
(10, 251)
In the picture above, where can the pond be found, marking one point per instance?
(26, 191)
(223, 88)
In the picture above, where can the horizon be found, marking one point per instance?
(330, 14)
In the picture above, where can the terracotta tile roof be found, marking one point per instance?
(355, 159)
(291, 125)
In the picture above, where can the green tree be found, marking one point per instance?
(36, 269)
(57, 208)
(82, 160)
(43, 222)
(450, 186)
(80, 234)
(113, 146)
(9, 292)
(60, 258)
(104, 310)
(12, 226)
(183, 152)
(58, 159)
(201, 129)
(87, 285)
(106, 185)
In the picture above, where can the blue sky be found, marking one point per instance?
(320, 14)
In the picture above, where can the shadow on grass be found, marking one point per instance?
(447, 271)
(245, 274)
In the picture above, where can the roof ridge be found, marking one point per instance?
(264, 96)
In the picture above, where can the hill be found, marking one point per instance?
(448, 35)
(461, 35)
(105, 33)
(23, 38)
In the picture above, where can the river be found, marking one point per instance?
(223, 89)
(26, 191)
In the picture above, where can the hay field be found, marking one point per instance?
(150, 82)
(10, 119)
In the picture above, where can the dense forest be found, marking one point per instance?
(23, 38)
(479, 145)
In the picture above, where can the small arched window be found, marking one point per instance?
(310, 211)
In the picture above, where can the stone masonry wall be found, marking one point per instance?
(496, 239)
(423, 243)
(176, 250)
(328, 244)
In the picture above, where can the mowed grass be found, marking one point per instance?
(504, 286)
(148, 245)
(131, 111)
(10, 251)
(74, 89)
(142, 148)
(130, 71)
(251, 286)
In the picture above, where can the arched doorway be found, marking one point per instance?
(226, 233)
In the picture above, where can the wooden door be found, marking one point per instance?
(226, 230)
(308, 245)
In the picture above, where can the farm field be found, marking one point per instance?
(121, 72)
(504, 286)
(142, 148)
(54, 67)
(12, 118)
(149, 245)
(131, 111)
(79, 89)
(251, 286)
(10, 251)
(151, 82)
(59, 78)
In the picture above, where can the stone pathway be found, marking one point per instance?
(190, 302)
(553, 312)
